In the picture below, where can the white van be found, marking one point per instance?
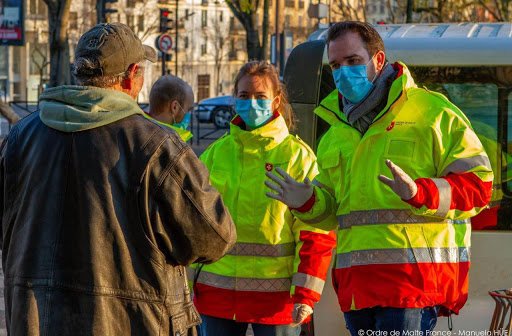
(471, 64)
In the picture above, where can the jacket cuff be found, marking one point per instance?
(306, 206)
(421, 197)
(299, 299)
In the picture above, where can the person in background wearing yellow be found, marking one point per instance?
(276, 272)
(170, 102)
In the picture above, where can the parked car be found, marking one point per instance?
(218, 110)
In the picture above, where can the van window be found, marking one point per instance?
(483, 94)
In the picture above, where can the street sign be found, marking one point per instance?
(163, 43)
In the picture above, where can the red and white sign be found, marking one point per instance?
(163, 43)
(269, 166)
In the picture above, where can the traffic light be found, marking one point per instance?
(165, 20)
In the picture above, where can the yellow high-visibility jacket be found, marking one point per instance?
(391, 253)
(277, 260)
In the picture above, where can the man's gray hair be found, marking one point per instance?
(87, 72)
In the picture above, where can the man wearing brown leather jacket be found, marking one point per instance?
(102, 208)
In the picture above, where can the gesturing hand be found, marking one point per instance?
(300, 312)
(403, 185)
(290, 192)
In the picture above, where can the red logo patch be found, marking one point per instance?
(390, 127)
(269, 166)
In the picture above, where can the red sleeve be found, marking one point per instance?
(468, 191)
(315, 259)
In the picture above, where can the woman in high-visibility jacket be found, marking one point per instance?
(276, 272)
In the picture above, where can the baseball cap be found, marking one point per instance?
(114, 46)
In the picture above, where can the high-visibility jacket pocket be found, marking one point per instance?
(421, 260)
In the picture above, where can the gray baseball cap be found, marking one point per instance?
(114, 46)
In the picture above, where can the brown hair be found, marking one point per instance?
(265, 70)
(371, 38)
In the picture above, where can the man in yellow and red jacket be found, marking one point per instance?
(403, 251)
(170, 101)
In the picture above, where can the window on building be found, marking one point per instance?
(42, 8)
(131, 3)
(32, 6)
(204, 45)
(382, 6)
(204, 18)
(374, 6)
(16, 60)
(4, 52)
(203, 86)
(287, 21)
(186, 42)
(221, 16)
(300, 21)
(130, 21)
(140, 23)
(240, 44)
(37, 7)
(73, 20)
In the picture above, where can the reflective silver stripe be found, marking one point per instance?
(374, 217)
(191, 273)
(445, 196)
(263, 250)
(463, 165)
(403, 256)
(318, 219)
(308, 281)
(244, 284)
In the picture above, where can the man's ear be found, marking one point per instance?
(128, 82)
(175, 107)
(380, 58)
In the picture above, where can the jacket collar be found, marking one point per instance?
(329, 108)
(265, 137)
(184, 134)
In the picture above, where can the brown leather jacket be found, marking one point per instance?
(97, 226)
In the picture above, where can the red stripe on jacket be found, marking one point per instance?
(248, 306)
(403, 285)
(468, 192)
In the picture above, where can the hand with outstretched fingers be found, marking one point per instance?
(402, 184)
(290, 192)
(300, 312)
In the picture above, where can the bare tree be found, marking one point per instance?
(39, 58)
(58, 17)
(351, 9)
(245, 11)
(499, 9)
(430, 11)
(219, 37)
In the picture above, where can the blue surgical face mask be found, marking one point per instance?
(184, 123)
(352, 81)
(254, 112)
